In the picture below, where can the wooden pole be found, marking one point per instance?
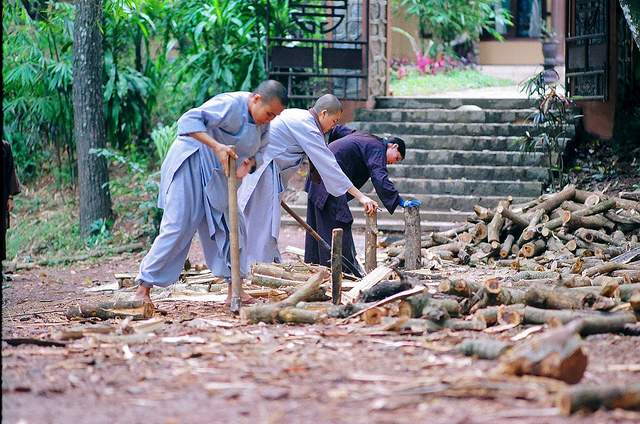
(412, 237)
(336, 265)
(234, 238)
(371, 242)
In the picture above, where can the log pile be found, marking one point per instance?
(554, 229)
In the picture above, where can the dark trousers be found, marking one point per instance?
(324, 223)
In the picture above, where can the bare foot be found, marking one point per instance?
(143, 294)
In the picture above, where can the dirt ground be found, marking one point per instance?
(200, 365)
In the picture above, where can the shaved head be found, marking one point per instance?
(328, 102)
(270, 90)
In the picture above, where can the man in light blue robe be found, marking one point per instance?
(294, 135)
(194, 175)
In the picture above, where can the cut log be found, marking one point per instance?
(297, 316)
(506, 246)
(594, 397)
(607, 267)
(136, 309)
(594, 322)
(421, 325)
(270, 313)
(555, 354)
(412, 233)
(593, 235)
(519, 221)
(459, 287)
(556, 199)
(483, 213)
(571, 221)
(480, 231)
(563, 298)
(494, 293)
(533, 248)
(483, 348)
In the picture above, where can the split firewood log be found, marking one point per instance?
(594, 397)
(272, 270)
(136, 309)
(555, 354)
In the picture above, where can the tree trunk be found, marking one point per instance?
(88, 106)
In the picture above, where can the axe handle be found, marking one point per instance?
(320, 240)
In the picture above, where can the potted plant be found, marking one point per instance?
(551, 120)
(550, 43)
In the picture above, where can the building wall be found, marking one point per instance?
(521, 51)
(598, 117)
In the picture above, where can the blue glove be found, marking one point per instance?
(409, 204)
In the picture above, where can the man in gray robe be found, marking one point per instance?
(294, 135)
(193, 189)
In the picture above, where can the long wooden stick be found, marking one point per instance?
(234, 238)
(336, 265)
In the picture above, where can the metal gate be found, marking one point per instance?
(587, 62)
(319, 47)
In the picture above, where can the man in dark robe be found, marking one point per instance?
(361, 155)
(10, 187)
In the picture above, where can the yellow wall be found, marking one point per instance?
(511, 52)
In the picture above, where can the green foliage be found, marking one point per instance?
(163, 138)
(222, 46)
(550, 120)
(444, 21)
(37, 101)
(100, 232)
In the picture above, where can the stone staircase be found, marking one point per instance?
(460, 153)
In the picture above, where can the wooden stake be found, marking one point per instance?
(371, 242)
(336, 265)
(412, 234)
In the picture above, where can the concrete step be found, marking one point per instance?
(453, 202)
(442, 172)
(449, 103)
(478, 158)
(387, 221)
(469, 187)
(444, 115)
(402, 129)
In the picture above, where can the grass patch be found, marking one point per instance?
(416, 84)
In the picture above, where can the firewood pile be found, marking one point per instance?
(571, 266)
